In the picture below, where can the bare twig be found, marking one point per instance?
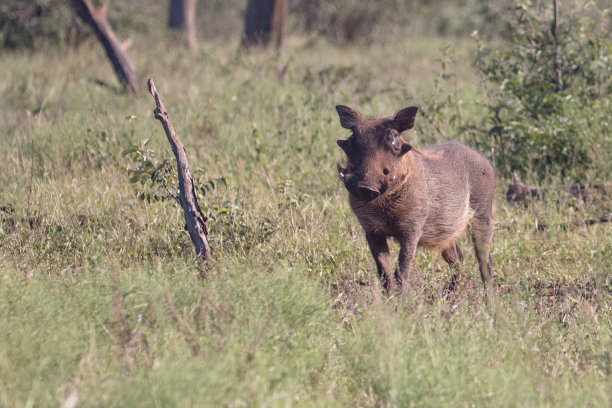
(194, 219)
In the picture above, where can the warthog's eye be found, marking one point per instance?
(396, 143)
(393, 138)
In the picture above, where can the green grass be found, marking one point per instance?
(289, 311)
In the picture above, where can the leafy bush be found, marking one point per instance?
(157, 180)
(38, 24)
(549, 91)
(34, 23)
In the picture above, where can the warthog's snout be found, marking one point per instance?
(366, 192)
(359, 186)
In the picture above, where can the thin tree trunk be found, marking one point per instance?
(281, 9)
(116, 51)
(194, 219)
(264, 20)
(181, 16)
(190, 9)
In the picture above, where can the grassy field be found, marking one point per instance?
(103, 303)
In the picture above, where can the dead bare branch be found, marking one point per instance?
(194, 219)
(116, 51)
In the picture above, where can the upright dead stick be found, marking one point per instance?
(194, 219)
(95, 17)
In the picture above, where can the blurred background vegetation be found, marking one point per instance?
(38, 24)
(547, 95)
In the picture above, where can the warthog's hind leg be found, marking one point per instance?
(453, 256)
(482, 230)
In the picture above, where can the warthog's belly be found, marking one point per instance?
(446, 223)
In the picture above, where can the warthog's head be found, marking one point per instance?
(374, 151)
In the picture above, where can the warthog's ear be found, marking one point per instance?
(404, 119)
(349, 118)
(405, 148)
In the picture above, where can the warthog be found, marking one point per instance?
(419, 197)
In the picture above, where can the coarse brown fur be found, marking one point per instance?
(419, 197)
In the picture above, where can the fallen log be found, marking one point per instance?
(116, 51)
(195, 221)
(519, 192)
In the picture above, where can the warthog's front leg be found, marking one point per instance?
(408, 245)
(380, 252)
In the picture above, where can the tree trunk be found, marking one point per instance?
(95, 17)
(176, 15)
(264, 20)
(182, 16)
(281, 9)
(190, 9)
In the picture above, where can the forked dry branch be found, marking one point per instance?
(116, 51)
(194, 219)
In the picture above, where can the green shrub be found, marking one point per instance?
(39, 24)
(549, 89)
(34, 24)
